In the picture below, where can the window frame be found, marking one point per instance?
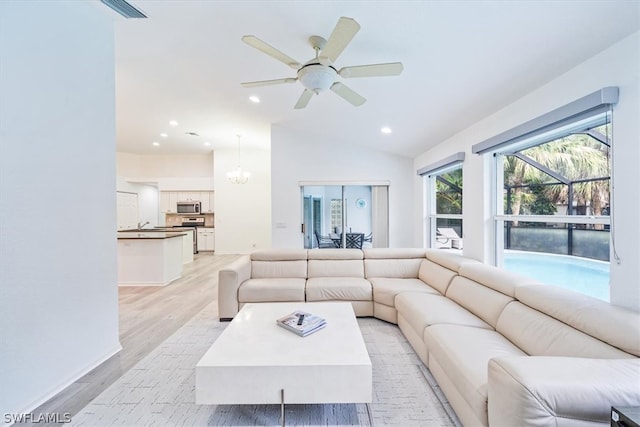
(429, 176)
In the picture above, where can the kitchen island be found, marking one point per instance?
(149, 258)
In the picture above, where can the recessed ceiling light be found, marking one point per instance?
(164, 135)
(207, 144)
(385, 129)
(155, 143)
(254, 99)
(173, 123)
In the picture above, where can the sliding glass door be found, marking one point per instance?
(345, 216)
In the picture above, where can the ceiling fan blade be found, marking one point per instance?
(255, 42)
(373, 70)
(304, 99)
(342, 34)
(347, 94)
(268, 82)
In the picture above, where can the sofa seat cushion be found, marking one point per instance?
(385, 289)
(338, 289)
(274, 290)
(422, 309)
(463, 352)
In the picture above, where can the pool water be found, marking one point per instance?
(584, 275)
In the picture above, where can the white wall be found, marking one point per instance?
(299, 157)
(148, 201)
(619, 66)
(58, 292)
(170, 172)
(242, 211)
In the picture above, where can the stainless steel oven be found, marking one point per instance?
(191, 223)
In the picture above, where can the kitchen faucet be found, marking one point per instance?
(140, 226)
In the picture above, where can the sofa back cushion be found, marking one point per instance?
(537, 334)
(393, 263)
(276, 263)
(495, 278)
(335, 263)
(617, 326)
(393, 253)
(335, 268)
(479, 299)
(435, 275)
(392, 268)
(449, 260)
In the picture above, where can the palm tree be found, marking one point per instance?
(449, 195)
(576, 157)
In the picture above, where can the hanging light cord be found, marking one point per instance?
(238, 151)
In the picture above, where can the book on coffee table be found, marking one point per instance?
(302, 323)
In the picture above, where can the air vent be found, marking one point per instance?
(124, 8)
(192, 133)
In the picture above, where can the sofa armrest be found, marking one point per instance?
(229, 280)
(562, 391)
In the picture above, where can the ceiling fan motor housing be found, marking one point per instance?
(317, 77)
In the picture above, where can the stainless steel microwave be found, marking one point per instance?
(190, 207)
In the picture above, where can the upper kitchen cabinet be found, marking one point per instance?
(189, 196)
(168, 201)
(206, 197)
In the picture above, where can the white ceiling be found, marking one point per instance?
(463, 60)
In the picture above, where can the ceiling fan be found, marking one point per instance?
(319, 74)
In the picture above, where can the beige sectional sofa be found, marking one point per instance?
(505, 350)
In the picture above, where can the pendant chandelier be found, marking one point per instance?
(238, 176)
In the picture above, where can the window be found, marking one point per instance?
(552, 222)
(443, 207)
(336, 215)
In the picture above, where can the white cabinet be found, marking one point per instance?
(206, 197)
(168, 201)
(189, 196)
(206, 239)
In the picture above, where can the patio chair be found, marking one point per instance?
(450, 233)
(355, 240)
(368, 241)
(442, 242)
(324, 241)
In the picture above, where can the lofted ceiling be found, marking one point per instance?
(463, 60)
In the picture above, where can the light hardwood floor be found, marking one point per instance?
(148, 315)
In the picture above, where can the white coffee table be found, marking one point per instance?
(255, 361)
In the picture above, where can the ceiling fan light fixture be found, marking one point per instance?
(317, 77)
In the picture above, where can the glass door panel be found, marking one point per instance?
(339, 213)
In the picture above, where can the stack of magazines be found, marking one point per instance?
(302, 323)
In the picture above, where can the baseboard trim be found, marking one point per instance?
(66, 383)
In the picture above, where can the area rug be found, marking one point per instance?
(160, 389)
